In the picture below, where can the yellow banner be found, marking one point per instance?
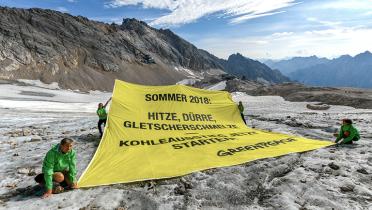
(156, 132)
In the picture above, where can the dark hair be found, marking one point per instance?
(66, 140)
(348, 121)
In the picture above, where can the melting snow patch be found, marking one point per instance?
(187, 81)
(218, 86)
(297, 181)
(38, 83)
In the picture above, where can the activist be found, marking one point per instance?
(102, 115)
(348, 133)
(241, 109)
(59, 169)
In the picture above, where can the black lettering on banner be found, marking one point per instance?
(175, 146)
(181, 127)
(222, 153)
(261, 145)
(166, 97)
(200, 142)
(199, 100)
(177, 97)
(243, 133)
(179, 142)
(127, 124)
(196, 117)
(123, 143)
(170, 116)
(148, 97)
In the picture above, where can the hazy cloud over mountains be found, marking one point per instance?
(182, 11)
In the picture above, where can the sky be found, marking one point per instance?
(258, 29)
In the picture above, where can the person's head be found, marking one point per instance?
(58, 177)
(347, 122)
(100, 105)
(240, 102)
(66, 145)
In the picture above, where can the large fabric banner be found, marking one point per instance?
(156, 132)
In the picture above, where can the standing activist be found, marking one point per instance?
(348, 133)
(241, 109)
(59, 169)
(102, 115)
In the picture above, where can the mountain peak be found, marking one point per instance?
(134, 24)
(133, 21)
(344, 57)
(239, 65)
(236, 56)
(365, 54)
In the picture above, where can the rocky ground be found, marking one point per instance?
(346, 96)
(328, 178)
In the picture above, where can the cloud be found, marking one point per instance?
(281, 34)
(367, 13)
(62, 9)
(330, 42)
(325, 23)
(72, 1)
(346, 4)
(187, 11)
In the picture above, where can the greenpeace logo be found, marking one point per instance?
(262, 145)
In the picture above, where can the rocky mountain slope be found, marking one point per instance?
(295, 92)
(79, 53)
(82, 54)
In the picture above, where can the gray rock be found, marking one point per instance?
(347, 188)
(26, 132)
(23, 170)
(330, 129)
(333, 166)
(14, 135)
(358, 98)
(35, 139)
(362, 171)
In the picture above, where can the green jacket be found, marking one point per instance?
(241, 108)
(354, 134)
(56, 161)
(102, 114)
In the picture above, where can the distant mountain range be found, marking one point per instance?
(345, 71)
(237, 65)
(79, 53)
(286, 67)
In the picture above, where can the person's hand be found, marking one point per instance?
(74, 186)
(47, 194)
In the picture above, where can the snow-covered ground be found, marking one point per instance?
(218, 86)
(35, 118)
